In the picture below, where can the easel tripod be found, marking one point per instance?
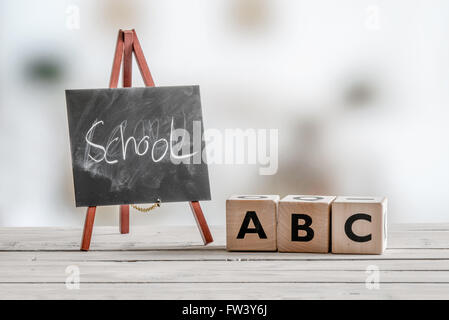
(127, 43)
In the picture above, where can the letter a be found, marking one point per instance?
(244, 229)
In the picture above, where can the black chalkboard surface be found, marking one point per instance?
(137, 145)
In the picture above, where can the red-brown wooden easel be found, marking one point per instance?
(127, 43)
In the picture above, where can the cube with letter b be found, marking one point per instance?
(304, 223)
(359, 225)
(251, 222)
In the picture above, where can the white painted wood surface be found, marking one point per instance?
(171, 263)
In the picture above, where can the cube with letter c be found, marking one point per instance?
(251, 222)
(359, 225)
(304, 223)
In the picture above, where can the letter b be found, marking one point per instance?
(296, 227)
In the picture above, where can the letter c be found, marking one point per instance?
(348, 227)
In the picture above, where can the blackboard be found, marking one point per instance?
(137, 145)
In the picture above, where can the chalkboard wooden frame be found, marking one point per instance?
(127, 43)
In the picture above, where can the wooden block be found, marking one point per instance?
(359, 225)
(304, 223)
(251, 222)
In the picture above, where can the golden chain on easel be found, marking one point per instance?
(145, 210)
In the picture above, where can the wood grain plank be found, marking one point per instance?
(291, 265)
(200, 254)
(420, 226)
(179, 237)
(182, 291)
(105, 238)
(229, 272)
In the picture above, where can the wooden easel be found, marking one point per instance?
(127, 43)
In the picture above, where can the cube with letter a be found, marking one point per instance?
(251, 222)
(304, 223)
(359, 225)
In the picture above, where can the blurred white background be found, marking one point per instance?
(358, 90)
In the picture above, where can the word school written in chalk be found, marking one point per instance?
(233, 147)
(141, 145)
(303, 223)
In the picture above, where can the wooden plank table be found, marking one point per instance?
(170, 263)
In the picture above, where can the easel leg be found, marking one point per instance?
(201, 222)
(88, 225)
(124, 219)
